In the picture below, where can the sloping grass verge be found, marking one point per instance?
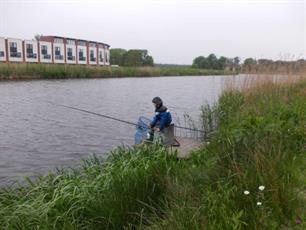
(252, 174)
(112, 195)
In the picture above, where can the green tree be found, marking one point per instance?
(249, 61)
(37, 37)
(148, 61)
(222, 62)
(137, 58)
(116, 56)
(249, 64)
(236, 61)
(212, 61)
(198, 61)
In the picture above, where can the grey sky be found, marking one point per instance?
(174, 31)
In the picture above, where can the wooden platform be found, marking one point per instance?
(186, 146)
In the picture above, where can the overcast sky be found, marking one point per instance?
(174, 31)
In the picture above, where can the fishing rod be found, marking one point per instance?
(116, 119)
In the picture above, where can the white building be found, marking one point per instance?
(54, 49)
(30, 51)
(45, 52)
(15, 50)
(2, 50)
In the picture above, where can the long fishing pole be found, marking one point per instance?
(116, 119)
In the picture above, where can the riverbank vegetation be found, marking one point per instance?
(250, 65)
(250, 176)
(58, 71)
(267, 66)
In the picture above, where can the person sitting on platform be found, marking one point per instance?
(162, 116)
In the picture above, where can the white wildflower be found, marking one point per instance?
(246, 192)
(261, 187)
(259, 203)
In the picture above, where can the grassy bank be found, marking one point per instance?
(121, 192)
(57, 71)
(260, 141)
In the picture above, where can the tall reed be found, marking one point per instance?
(58, 71)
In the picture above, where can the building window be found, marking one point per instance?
(92, 56)
(13, 45)
(81, 55)
(101, 56)
(13, 50)
(29, 48)
(81, 43)
(71, 42)
(58, 40)
(69, 51)
(1, 53)
(57, 52)
(44, 52)
(44, 49)
(92, 45)
(29, 51)
(70, 57)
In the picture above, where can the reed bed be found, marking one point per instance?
(59, 71)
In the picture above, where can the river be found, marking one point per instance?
(36, 136)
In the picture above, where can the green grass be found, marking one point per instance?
(120, 192)
(57, 71)
(258, 139)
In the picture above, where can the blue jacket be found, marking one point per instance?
(162, 116)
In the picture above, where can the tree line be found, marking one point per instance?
(249, 65)
(212, 62)
(132, 57)
(141, 57)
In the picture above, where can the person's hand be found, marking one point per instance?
(157, 129)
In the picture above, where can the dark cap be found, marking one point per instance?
(157, 100)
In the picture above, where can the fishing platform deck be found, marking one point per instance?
(175, 141)
(185, 148)
(187, 145)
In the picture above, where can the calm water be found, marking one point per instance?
(36, 137)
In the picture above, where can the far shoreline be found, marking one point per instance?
(16, 72)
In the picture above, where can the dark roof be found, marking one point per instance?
(77, 39)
